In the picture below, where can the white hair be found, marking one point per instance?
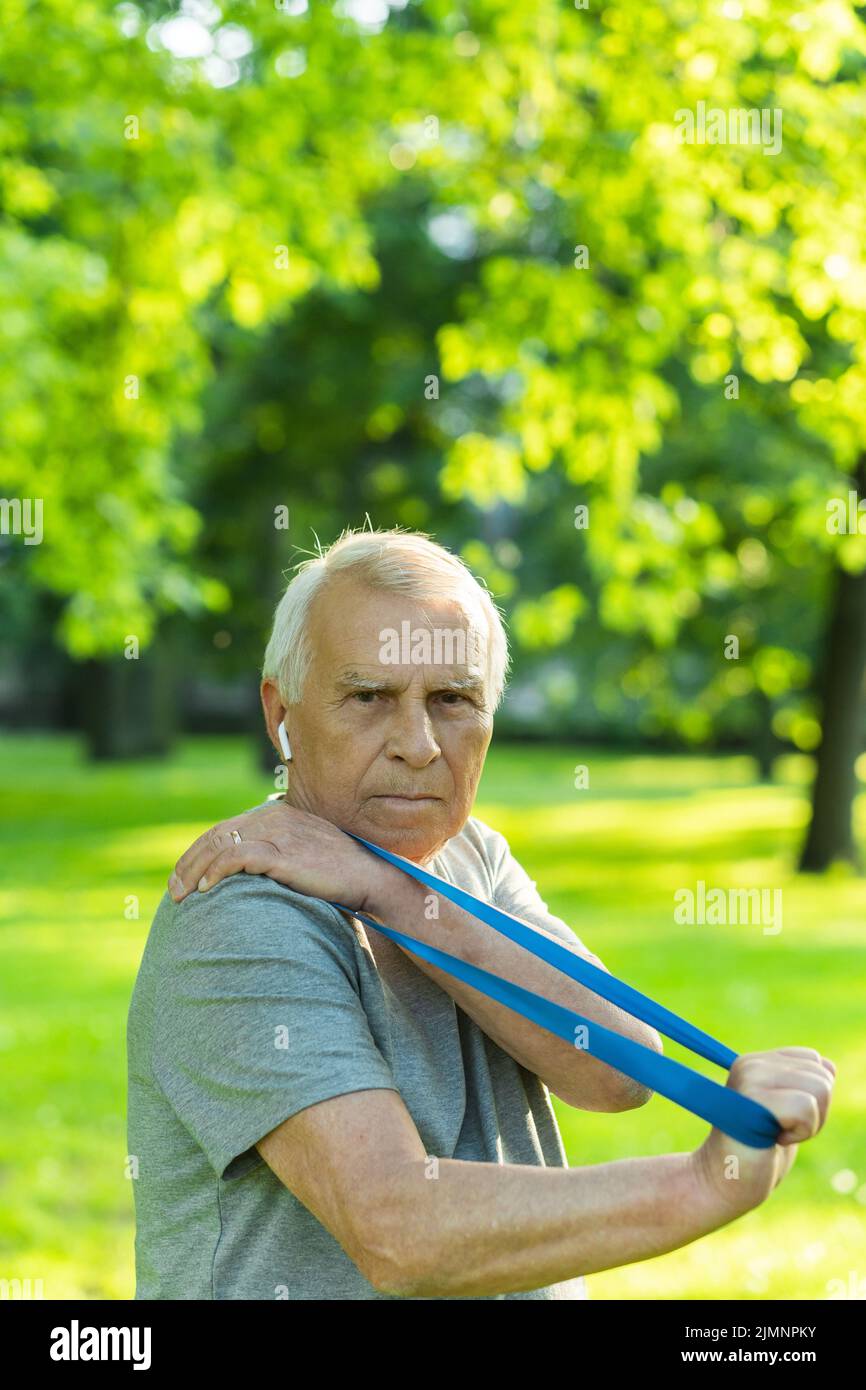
(396, 562)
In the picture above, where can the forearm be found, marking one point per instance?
(480, 1229)
(571, 1073)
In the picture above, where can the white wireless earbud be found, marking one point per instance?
(284, 741)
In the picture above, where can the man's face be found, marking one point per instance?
(390, 737)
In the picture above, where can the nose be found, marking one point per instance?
(411, 737)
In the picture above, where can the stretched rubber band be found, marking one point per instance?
(734, 1114)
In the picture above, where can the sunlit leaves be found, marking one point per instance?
(548, 621)
(142, 191)
(484, 469)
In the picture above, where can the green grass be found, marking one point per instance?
(80, 842)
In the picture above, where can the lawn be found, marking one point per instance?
(87, 849)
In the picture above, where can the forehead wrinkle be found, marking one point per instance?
(357, 680)
(332, 638)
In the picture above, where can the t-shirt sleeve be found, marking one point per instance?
(259, 1015)
(515, 892)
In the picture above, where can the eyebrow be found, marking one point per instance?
(354, 680)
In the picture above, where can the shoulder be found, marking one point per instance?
(479, 844)
(484, 838)
(253, 916)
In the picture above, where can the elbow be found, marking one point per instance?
(392, 1279)
(391, 1274)
(614, 1090)
(380, 1250)
(629, 1094)
(617, 1093)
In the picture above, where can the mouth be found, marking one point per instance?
(407, 798)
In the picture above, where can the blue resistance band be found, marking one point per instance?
(734, 1114)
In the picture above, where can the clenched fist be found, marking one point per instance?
(795, 1084)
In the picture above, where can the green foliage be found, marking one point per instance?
(228, 279)
(136, 195)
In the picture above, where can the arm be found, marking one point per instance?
(358, 1164)
(314, 857)
(480, 1229)
(572, 1074)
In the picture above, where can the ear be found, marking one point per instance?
(274, 711)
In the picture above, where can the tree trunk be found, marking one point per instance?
(767, 746)
(127, 709)
(842, 680)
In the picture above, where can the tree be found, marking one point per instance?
(628, 316)
(625, 264)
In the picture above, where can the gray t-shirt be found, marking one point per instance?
(253, 1002)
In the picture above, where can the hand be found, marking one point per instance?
(795, 1084)
(298, 849)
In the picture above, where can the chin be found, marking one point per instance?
(413, 834)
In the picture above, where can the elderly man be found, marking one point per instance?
(318, 1114)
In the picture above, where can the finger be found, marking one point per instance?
(257, 823)
(194, 863)
(772, 1076)
(810, 1059)
(805, 1052)
(778, 1066)
(792, 1067)
(797, 1111)
(182, 874)
(249, 857)
(820, 1085)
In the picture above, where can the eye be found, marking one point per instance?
(451, 695)
(365, 696)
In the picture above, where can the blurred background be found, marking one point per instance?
(272, 269)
